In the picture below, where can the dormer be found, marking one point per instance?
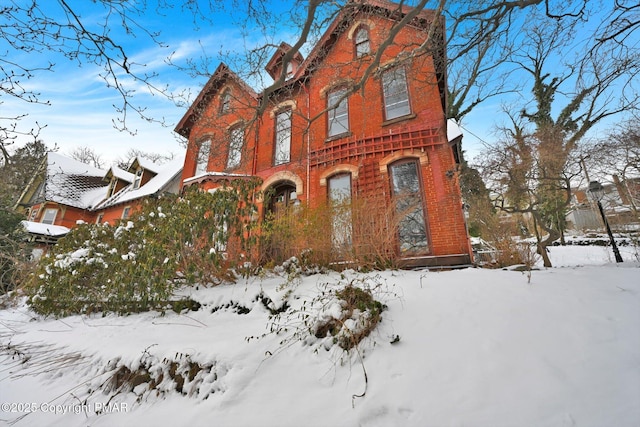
(274, 66)
(142, 170)
(117, 179)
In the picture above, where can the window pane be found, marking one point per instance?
(396, 96)
(338, 116)
(49, 216)
(283, 137)
(412, 231)
(225, 103)
(340, 199)
(362, 42)
(236, 141)
(203, 157)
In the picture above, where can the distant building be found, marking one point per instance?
(65, 191)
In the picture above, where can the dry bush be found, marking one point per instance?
(362, 234)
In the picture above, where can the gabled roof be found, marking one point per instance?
(70, 182)
(384, 8)
(159, 183)
(274, 64)
(116, 172)
(215, 83)
(145, 164)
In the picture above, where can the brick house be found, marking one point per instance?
(315, 139)
(65, 191)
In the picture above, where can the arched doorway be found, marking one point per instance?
(279, 196)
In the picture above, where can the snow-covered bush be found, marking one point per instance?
(135, 265)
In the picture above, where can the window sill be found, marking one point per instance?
(339, 136)
(398, 119)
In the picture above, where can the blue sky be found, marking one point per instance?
(82, 106)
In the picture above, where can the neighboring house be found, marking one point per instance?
(315, 142)
(126, 189)
(62, 192)
(620, 203)
(65, 191)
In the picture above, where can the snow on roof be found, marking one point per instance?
(166, 173)
(204, 175)
(453, 130)
(68, 180)
(44, 229)
(120, 174)
(147, 164)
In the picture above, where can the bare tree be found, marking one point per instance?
(88, 156)
(531, 169)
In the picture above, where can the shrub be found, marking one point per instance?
(135, 266)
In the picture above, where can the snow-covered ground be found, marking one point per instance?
(470, 347)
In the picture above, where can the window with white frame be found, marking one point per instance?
(49, 216)
(137, 179)
(396, 93)
(338, 112)
(126, 212)
(361, 40)
(203, 156)
(283, 137)
(100, 218)
(236, 142)
(112, 186)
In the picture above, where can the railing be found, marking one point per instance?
(383, 143)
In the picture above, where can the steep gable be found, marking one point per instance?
(211, 89)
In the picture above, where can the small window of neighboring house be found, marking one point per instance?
(236, 142)
(338, 113)
(99, 220)
(396, 94)
(225, 102)
(203, 156)
(49, 216)
(137, 179)
(283, 137)
(33, 214)
(361, 40)
(112, 186)
(125, 212)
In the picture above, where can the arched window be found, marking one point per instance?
(225, 102)
(408, 197)
(337, 113)
(339, 195)
(283, 138)
(236, 142)
(202, 160)
(361, 41)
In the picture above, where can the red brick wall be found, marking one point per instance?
(366, 120)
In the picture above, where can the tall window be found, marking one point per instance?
(236, 142)
(362, 44)
(283, 137)
(203, 157)
(338, 114)
(138, 178)
(396, 94)
(49, 216)
(225, 102)
(339, 188)
(408, 198)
